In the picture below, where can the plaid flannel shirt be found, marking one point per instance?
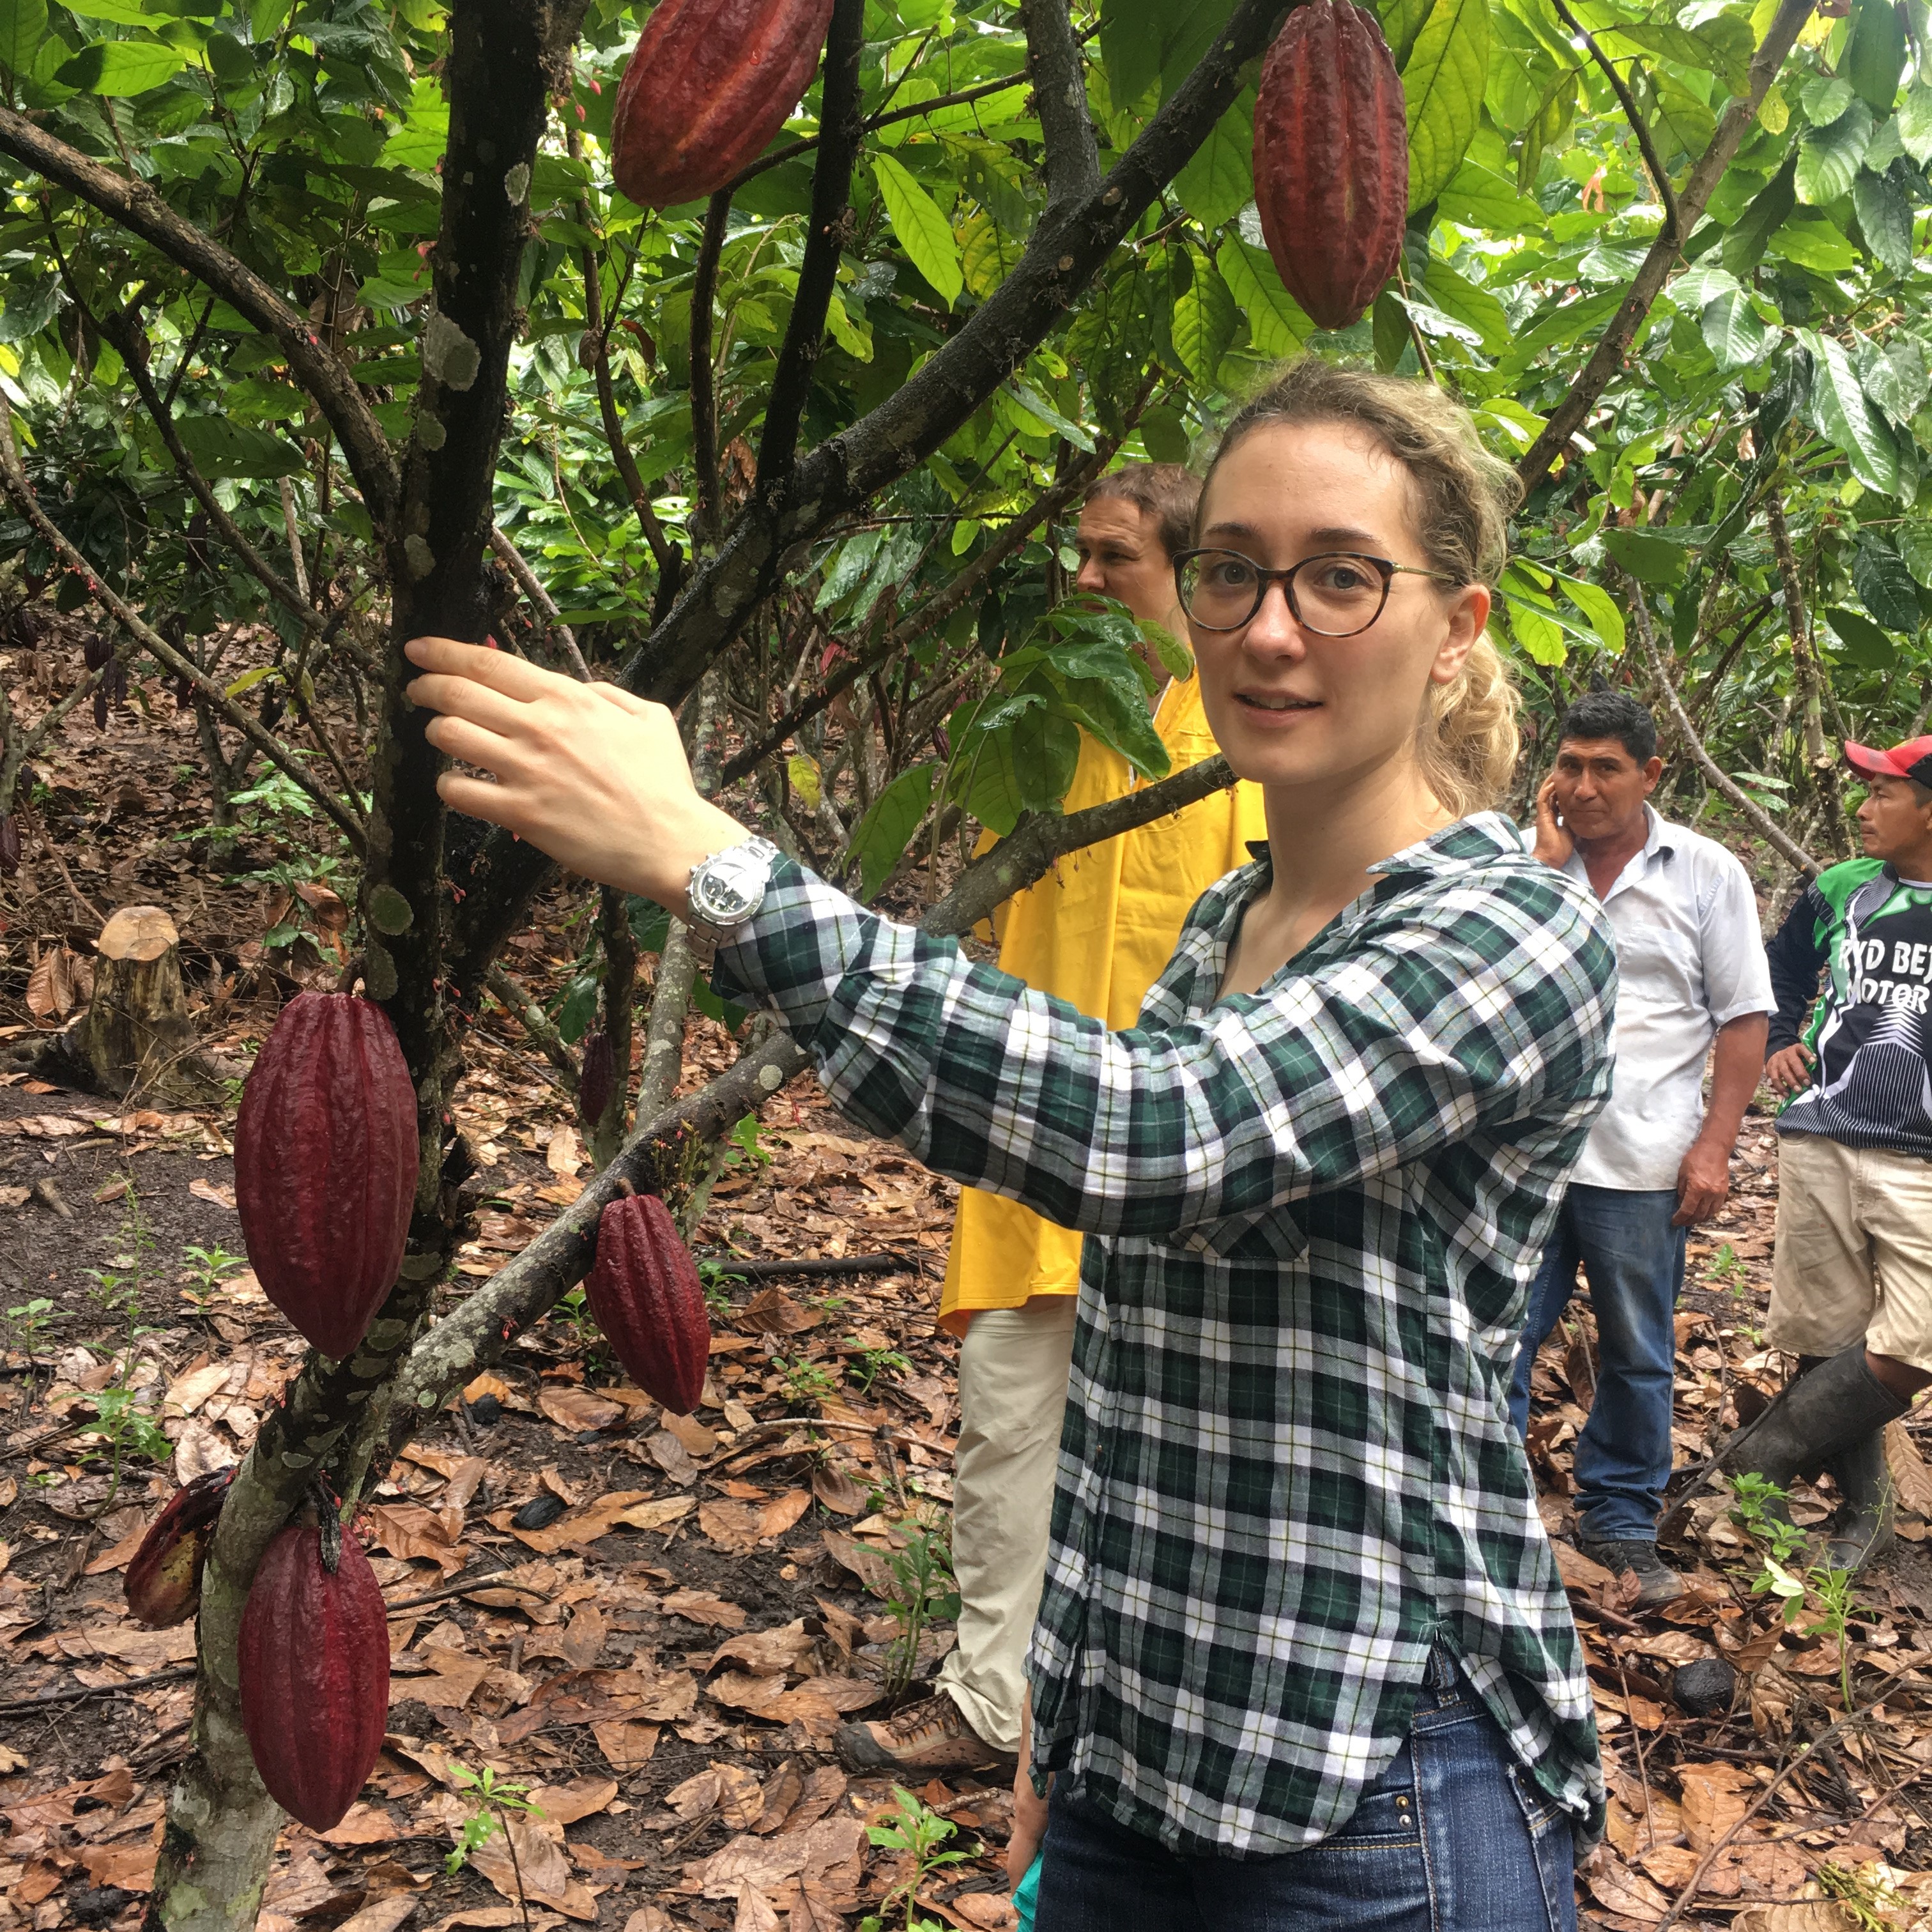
(1313, 1214)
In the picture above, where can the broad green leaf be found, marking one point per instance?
(1540, 636)
(1177, 660)
(1898, 380)
(1743, 247)
(1043, 412)
(1276, 325)
(1401, 21)
(1828, 158)
(120, 68)
(1825, 97)
(1681, 122)
(1144, 42)
(922, 230)
(425, 133)
(989, 252)
(1884, 587)
(1885, 218)
(221, 447)
(1443, 80)
(1647, 557)
(852, 335)
(807, 780)
(23, 26)
(1733, 331)
(122, 13)
(1599, 606)
(1839, 408)
(1455, 294)
(1864, 642)
(1204, 320)
(1874, 55)
(1813, 242)
(1914, 123)
(1475, 196)
(880, 841)
(249, 679)
(1915, 545)
(1219, 181)
(1721, 46)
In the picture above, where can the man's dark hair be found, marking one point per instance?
(1611, 714)
(1165, 492)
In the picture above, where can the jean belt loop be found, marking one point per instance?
(1441, 1673)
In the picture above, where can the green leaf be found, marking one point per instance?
(1885, 217)
(1043, 412)
(989, 252)
(23, 26)
(1218, 180)
(1874, 55)
(1401, 21)
(1204, 320)
(1813, 242)
(1455, 294)
(853, 336)
(1767, 212)
(1722, 45)
(1914, 123)
(420, 141)
(922, 230)
(880, 841)
(1648, 557)
(1842, 415)
(122, 13)
(1444, 79)
(1276, 325)
(1864, 642)
(221, 447)
(1915, 545)
(1733, 331)
(1540, 636)
(1599, 606)
(1177, 660)
(1884, 587)
(1828, 158)
(1475, 196)
(120, 68)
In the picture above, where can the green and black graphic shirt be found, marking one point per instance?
(1871, 1030)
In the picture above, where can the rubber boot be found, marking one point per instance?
(1839, 1402)
(1861, 1527)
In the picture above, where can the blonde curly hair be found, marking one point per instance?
(1463, 498)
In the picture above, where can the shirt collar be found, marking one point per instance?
(1469, 842)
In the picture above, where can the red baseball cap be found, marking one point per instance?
(1912, 760)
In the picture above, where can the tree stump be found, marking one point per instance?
(136, 1038)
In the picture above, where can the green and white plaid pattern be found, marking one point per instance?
(1315, 1212)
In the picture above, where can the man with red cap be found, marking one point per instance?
(1852, 1285)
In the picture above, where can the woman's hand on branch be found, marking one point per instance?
(587, 772)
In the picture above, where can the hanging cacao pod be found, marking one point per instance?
(325, 1158)
(163, 1581)
(313, 1657)
(645, 1294)
(598, 1077)
(1331, 159)
(709, 84)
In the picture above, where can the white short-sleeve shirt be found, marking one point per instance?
(1689, 959)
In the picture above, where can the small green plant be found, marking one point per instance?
(1758, 1507)
(716, 1278)
(206, 1269)
(1873, 1906)
(917, 1830)
(1837, 1607)
(491, 1799)
(923, 1587)
(121, 1421)
(869, 1364)
(1725, 1268)
(806, 1381)
(27, 1325)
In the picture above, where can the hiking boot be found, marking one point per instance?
(1658, 1583)
(929, 1736)
(1861, 1527)
(1815, 1416)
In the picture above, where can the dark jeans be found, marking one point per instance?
(1452, 1838)
(1634, 1260)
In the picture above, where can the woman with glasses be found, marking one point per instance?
(1303, 1652)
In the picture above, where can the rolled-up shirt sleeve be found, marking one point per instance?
(1486, 1001)
(1737, 976)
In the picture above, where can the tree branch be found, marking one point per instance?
(1073, 157)
(158, 648)
(1760, 821)
(511, 559)
(1672, 230)
(136, 207)
(1699, 184)
(703, 384)
(817, 275)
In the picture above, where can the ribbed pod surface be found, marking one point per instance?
(325, 1160)
(645, 1296)
(1331, 159)
(314, 1661)
(709, 84)
(163, 1581)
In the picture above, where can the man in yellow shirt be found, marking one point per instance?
(1096, 931)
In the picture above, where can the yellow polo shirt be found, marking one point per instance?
(1096, 931)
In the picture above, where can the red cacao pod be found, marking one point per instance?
(1331, 159)
(313, 1657)
(645, 1294)
(325, 1156)
(163, 1581)
(598, 1077)
(709, 83)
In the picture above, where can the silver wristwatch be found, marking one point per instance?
(726, 889)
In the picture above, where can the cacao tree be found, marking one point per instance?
(325, 316)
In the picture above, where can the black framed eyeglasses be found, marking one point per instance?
(1335, 595)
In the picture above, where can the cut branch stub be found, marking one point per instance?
(1331, 159)
(326, 1159)
(136, 1037)
(708, 87)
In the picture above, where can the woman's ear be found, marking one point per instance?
(1469, 615)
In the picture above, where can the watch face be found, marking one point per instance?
(730, 888)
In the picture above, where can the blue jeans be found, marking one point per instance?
(1452, 1838)
(1633, 1258)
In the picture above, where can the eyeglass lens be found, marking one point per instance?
(1336, 596)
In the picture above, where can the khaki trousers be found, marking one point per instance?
(1012, 1393)
(1854, 1259)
